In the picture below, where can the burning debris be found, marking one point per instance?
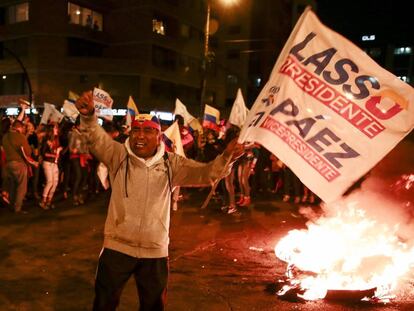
(345, 254)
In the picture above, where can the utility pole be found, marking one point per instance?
(204, 61)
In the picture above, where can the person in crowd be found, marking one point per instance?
(79, 160)
(5, 126)
(34, 144)
(277, 167)
(65, 132)
(246, 168)
(308, 195)
(17, 151)
(261, 178)
(50, 155)
(291, 186)
(232, 133)
(187, 140)
(136, 230)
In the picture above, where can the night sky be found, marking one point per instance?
(390, 21)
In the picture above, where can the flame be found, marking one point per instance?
(345, 250)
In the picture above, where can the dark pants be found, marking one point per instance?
(80, 175)
(114, 270)
(291, 183)
(17, 183)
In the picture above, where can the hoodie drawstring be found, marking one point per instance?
(126, 176)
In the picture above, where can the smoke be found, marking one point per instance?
(386, 194)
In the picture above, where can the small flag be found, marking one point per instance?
(103, 104)
(70, 110)
(181, 109)
(172, 139)
(50, 114)
(132, 111)
(189, 120)
(238, 114)
(211, 118)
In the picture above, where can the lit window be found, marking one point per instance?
(85, 17)
(158, 27)
(403, 50)
(22, 12)
(18, 13)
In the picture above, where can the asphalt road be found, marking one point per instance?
(217, 261)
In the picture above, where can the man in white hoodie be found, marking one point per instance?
(142, 176)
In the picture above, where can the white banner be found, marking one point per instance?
(50, 114)
(103, 104)
(328, 111)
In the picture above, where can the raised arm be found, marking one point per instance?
(191, 173)
(103, 147)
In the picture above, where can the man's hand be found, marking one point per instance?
(85, 103)
(234, 149)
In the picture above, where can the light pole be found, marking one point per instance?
(26, 75)
(205, 56)
(204, 60)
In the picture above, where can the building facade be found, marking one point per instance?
(150, 49)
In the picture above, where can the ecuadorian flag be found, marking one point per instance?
(132, 111)
(211, 118)
(132, 108)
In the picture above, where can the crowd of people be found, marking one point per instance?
(37, 160)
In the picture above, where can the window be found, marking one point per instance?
(158, 27)
(17, 13)
(403, 50)
(163, 90)
(85, 17)
(18, 47)
(84, 48)
(164, 58)
(185, 31)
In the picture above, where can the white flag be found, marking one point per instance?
(70, 110)
(328, 111)
(181, 109)
(239, 111)
(103, 104)
(172, 139)
(50, 114)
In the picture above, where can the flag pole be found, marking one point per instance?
(215, 183)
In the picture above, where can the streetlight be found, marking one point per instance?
(206, 52)
(26, 75)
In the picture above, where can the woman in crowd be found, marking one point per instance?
(246, 167)
(79, 156)
(50, 154)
